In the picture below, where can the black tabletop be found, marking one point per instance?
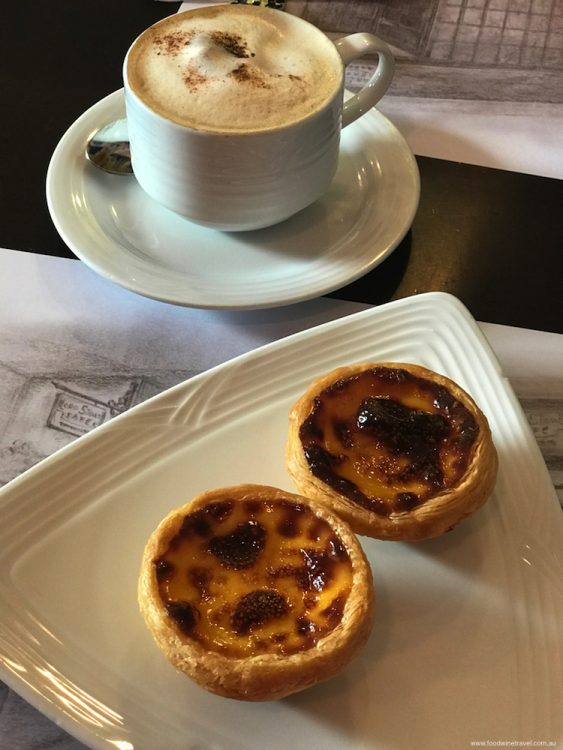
(493, 238)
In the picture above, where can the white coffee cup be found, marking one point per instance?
(245, 175)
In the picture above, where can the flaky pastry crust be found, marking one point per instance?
(265, 676)
(432, 517)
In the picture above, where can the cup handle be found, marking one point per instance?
(357, 45)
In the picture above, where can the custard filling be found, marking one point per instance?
(252, 577)
(388, 440)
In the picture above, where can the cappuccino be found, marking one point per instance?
(229, 69)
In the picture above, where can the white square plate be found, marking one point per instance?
(467, 643)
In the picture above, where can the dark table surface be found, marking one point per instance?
(492, 238)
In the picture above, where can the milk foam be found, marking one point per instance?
(234, 68)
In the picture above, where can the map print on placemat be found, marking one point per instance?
(502, 50)
(42, 412)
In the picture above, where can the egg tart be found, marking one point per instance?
(397, 450)
(256, 593)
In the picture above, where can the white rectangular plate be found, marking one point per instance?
(467, 643)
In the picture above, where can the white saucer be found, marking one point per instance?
(122, 234)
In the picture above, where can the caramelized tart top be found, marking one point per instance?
(254, 577)
(387, 439)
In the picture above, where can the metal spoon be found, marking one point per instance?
(108, 149)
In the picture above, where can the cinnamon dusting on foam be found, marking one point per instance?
(245, 74)
(193, 79)
(172, 43)
(231, 43)
(232, 69)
